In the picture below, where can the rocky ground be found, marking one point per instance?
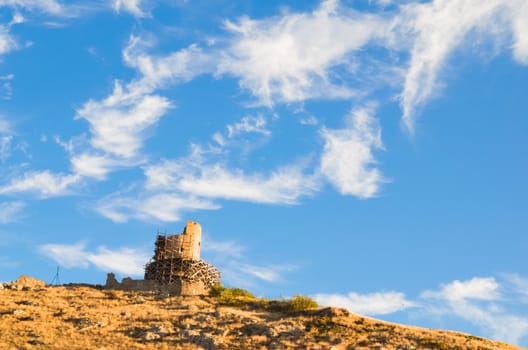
(36, 316)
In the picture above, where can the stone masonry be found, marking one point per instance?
(176, 266)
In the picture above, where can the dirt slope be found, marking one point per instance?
(34, 316)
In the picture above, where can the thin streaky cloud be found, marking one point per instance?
(123, 260)
(382, 303)
(11, 211)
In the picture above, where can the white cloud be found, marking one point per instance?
(233, 260)
(98, 166)
(7, 42)
(5, 126)
(224, 248)
(478, 302)
(270, 273)
(43, 183)
(311, 120)
(440, 27)
(129, 261)
(475, 288)
(118, 123)
(122, 260)
(249, 124)
(367, 304)
(164, 207)
(5, 147)
(520, 285)
(66, 255)
(283, 186)
(47, 6)
(519, 12)
(158, 71)
(382, 2)
(238, 272)
(290, 58)
(131, 6)
(11, 211)
(481, 302)
(5, 82)
(347, 160)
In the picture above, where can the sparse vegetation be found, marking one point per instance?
(84, 317)
(300, 303)
(232, 296)
(240, 297)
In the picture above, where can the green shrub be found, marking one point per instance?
(299, 303)
(231, 296)
(238, 292)
(217, 290)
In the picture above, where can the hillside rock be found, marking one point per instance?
(25, 283)
(84, 317)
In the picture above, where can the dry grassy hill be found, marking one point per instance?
(35, 316)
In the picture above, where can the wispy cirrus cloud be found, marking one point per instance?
(5, 147)
(440, 27)
(290, 58)
(7, 41)
(267, 273)
(236, 270)
(119, 122)
(234, 260)
(66, 255)
(11, 211)
(476, 288)
(381, 303)
(159, 71)
(156, 207)
(486, 303)
(119, 125)
(347, 159)
(47, 6)
(249, 124)
(131, 6)
(479, 302)
(43, 184)
(283, 186)
(230, 249)
(5, 83)
(123, 260)
(518, 285)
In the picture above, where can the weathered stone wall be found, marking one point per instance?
(176, 267)
(184, 246)
(175, 288)
(193, 239)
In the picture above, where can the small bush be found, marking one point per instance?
(217, 290)
(299, 303)
(231, 296)
(238, 292)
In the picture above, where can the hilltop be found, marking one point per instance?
(36, 316)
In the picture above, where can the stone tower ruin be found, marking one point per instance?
(176, 263)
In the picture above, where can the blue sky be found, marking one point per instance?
(371, 154)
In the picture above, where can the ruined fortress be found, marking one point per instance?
(176, 267)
